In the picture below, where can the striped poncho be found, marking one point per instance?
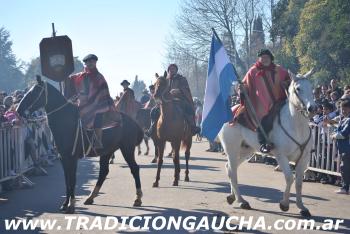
(93, 95)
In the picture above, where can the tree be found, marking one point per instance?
(138, 86)
(323, 40)
(34, 68)
(285, 26)
(11, 77)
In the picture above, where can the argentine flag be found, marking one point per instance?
(221, 74)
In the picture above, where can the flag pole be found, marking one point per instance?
(246, 97)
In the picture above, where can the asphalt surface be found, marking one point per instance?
(204, 196)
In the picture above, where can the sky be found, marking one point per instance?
(128, 36)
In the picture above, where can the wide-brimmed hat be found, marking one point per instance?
(90, 57)
(125, 82)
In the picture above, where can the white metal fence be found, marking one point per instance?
(15, 159)
(324, 157)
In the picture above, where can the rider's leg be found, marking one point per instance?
(98, 131)
(189, 114)
(155, 113)
(267, 124)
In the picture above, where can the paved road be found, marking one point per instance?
(204, 195)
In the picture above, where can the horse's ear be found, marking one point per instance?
(309, 73)
(38, 79)
(157, 76)
(165, 74)
(292, 75)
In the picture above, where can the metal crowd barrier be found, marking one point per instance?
(14, 161)
(324, 157)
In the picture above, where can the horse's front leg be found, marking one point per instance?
(299, 175)
(104, 169)
(176, 159)
(160, 145)
(70, 167)
(231, 168)
(65, 172)
(288, 174)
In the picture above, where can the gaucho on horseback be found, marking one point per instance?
(180, 91)
(93, 98)
(265, 83)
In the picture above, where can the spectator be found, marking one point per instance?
(334, 88)
(2, 113)
(342, 137)
(2, 96)
(8, 102)
(11, 115)
(145, 97)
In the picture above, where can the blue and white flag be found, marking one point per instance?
(221, 75)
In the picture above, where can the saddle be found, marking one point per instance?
(111, 119)
(243, 117)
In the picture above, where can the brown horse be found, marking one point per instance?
(172, 127)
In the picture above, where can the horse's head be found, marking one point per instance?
(300, 93)
(34, 99)
(160, 87)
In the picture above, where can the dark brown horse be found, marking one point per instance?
(171, 127)
(63, 119)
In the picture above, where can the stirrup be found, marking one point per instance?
(266, 148)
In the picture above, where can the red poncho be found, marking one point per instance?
(258, 91)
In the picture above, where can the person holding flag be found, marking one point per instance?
(262, 94)
(265, 84)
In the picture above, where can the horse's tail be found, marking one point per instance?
(131, 127)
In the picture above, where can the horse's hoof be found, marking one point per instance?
(245, 205)
(63, 208)
(89, 201)
(187, 179)
(70, 210)
(176, 183)
(154, 160)
(305, 213)
(283, 207)
(155, 185)
(230, 199)
(137, 202)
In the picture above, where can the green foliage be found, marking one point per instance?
(323, 40)
(11, 77)
(138, 86)
(314, 33)
(34, 68)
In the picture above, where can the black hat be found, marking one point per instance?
(267, 52)
(125, 82)
(151, 87)
(89, 57)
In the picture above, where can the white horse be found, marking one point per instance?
(291, 136)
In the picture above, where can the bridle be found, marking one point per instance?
(44, 90)
(303, 110)
(163, 98)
